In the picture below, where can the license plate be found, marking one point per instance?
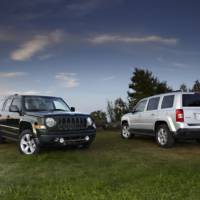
(198, 116)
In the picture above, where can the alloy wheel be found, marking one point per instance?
(27, 144)
(162, 136)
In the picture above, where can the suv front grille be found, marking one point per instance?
(71, 123)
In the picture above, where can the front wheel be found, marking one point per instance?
(125, 132)
(27, 143)
(164, 137)
(198, 140)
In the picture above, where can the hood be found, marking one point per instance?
(126, 116)
(55, 113)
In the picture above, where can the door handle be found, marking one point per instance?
(8, 116)
(152, 114)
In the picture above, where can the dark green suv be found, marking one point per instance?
(34, 121)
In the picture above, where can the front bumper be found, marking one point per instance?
(187, 133)
(68, 138)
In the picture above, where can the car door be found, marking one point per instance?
(2, 100)
(5, 128)
(13, 118)
(137, 113)
(150, 115)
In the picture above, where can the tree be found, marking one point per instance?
(196, 86)
(144, 84)
(99, 117)
(110, 111)
(120, 109)
(183, 88)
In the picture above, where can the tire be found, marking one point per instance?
(27, 144)
(164, 137)
(198, 140)
(125, 133)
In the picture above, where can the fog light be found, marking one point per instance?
(87, 138)
(56, 140)
(61, 140)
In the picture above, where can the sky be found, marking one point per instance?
(86, 50)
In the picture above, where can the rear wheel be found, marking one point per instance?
(27, 143)
(125, 132)
(164, 137)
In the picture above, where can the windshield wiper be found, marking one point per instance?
(58, 110)
(36, 110)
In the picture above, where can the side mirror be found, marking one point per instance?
(72, 109)
(134, 110)
(14, 108)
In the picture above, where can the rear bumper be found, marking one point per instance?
(69, 138)
(187, 133)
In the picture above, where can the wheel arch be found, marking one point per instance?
(25, 125)
(125, 121)
(158, 123)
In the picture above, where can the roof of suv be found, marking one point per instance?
(170, 93)
(22, 95)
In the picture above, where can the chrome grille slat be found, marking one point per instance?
(71, 122)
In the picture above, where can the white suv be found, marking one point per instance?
(166, 117)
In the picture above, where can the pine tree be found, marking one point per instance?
(144, 84)
(120, 108)
(196, 86)
(183, 88)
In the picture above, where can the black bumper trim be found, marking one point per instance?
(188, 133)
(68, 137)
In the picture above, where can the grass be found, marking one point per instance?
(111, 169)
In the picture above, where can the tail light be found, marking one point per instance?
(179, 115)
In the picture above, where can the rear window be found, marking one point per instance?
(191, 100)
(153, 103)
(168, 101)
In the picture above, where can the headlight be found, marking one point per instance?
(50, 122)
(89, 121)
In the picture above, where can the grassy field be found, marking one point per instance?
(111, 169)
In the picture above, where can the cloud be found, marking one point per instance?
(180, 65)
(12, 74)
(35, 45)
(107, 38)
(80, 8)
(68, 80)
(45, 57)
(109, 78)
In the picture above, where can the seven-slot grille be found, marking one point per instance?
(71, 123)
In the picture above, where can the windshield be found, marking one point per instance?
(34, 103)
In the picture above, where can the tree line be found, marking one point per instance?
(142, 84)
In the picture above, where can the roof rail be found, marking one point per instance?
(170, 92)
(177, 91)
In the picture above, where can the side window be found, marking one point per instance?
(7, 104)
(141, 106)
(168, 102)
(2, 100)
(17, 102)
(153, 103)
